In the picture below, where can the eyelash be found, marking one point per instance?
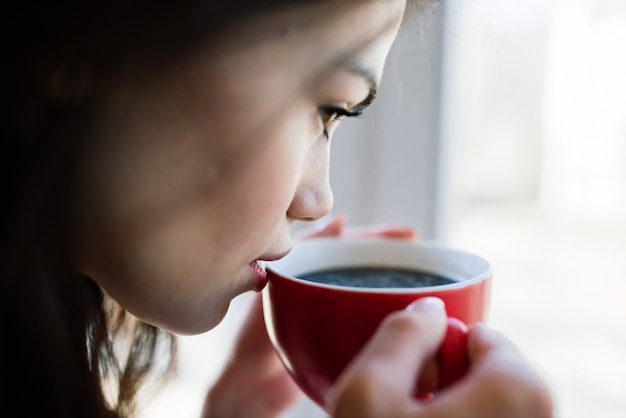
(335, 113)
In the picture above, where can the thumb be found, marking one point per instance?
(383, 376)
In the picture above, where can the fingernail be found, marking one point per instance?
(427, 304)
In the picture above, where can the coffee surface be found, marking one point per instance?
(377, 277)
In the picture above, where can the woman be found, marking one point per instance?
(153, 153)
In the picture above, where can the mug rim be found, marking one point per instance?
(486, 269)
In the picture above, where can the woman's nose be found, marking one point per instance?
(313, 198)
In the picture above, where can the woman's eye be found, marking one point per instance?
(329, 114)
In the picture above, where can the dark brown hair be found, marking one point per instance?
(66, 349)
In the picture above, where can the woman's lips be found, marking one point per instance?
(258, 267)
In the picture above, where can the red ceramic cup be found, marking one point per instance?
(318, 328)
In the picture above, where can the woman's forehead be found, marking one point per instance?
(319, 36)
(303, 46)
(327, 22)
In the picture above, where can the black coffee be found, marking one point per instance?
(377, 277)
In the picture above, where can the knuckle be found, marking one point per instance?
(404, 322)
(355, 397)
(541, 398)
(523, 395)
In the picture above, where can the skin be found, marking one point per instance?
(194, 174)
(499, 384)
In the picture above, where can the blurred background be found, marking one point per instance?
(501, 130)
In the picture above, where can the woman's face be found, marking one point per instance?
(194, 176)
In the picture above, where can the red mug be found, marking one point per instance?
(317, 328)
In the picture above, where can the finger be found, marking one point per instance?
(499, 360)
(487, 343)
(254, 351)
(252, 341)
(254, 382)
(492, 352)
(383, 376)
(500, 383)
(382, 231)
(333, 226)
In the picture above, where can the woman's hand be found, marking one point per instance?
(255, 383)
(336, 226)
(379, 382)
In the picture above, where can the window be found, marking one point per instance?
(534, 117)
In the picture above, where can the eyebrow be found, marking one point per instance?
(369, 77)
